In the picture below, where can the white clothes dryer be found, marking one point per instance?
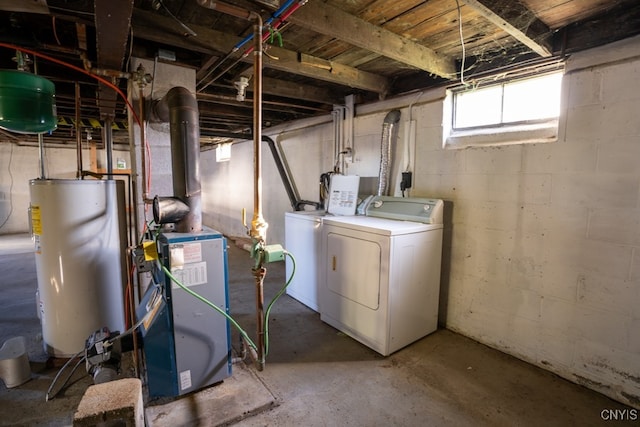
(380, 277)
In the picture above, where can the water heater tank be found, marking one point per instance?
(79, 234)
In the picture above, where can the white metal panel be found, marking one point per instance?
(302, 240)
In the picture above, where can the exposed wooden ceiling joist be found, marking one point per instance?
(295, 90)
(153, 27)
(518, 21)
(329, 20)
(619, 22)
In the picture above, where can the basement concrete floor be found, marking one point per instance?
(314, 376)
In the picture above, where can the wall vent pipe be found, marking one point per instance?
(390, 121)
(180, 108)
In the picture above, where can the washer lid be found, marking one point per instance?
(382, 226)
(428, 211)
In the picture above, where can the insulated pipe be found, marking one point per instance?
(391, 119)
(180, 109)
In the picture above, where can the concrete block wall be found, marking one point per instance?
(542, 259)
(544, 248)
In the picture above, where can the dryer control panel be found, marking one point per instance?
(428, 211)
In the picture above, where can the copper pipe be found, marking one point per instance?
(78, 133)
(259, 273)
(258, 225)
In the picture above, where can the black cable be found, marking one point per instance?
(325, 183)
(47, 397)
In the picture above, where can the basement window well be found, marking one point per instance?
(511, 111)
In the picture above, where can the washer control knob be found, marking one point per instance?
(377, 204)
(427, 208)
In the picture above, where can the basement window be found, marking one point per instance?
(511, 111)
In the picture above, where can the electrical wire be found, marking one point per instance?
(47, 396)
(55, 32)
(71, 10)
(10, 189)
(464, 53)
(275, 298)
(175, 18)
(325, 184)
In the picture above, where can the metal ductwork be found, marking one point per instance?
(390, 121)
(180, 108)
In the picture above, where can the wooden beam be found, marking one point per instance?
(154, 27)
(518, 21)
(617, 23)
(329, 20)
(287, 89)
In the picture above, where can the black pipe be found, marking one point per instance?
(286, 180)
(180, 108)
(294, 198)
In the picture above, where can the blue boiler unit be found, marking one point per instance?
(186, 343)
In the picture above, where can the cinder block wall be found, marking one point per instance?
(545, 247)
(542, 258)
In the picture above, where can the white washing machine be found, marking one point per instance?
(302, 240)
(380, 277)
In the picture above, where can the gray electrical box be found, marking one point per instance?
(187, 343)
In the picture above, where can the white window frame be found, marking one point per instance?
(525, 132)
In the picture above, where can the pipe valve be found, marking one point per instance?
(241, 85)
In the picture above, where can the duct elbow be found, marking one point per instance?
(392, 117)
(177, 97)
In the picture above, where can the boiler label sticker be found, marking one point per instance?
(192, 252)
(185, 379)
(190, 274)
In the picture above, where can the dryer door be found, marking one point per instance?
(354, 269)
